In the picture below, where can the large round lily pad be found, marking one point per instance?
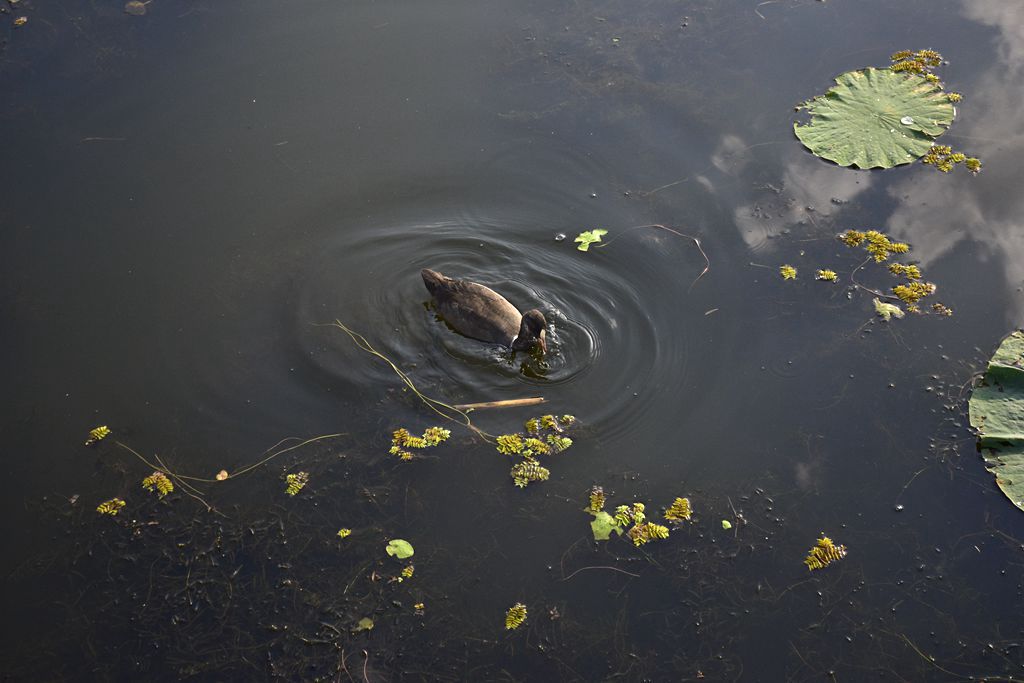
(876, 118)
(997, 412)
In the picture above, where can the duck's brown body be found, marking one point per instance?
(481, 313)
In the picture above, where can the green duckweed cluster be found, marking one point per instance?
(631, 519)
(541, 436)
(881, 247)
(402, 439)
(824, 553)
(296, 482)
(515, 616)
(922, 63)
(159, 483)
(110, 507)
(97, 434)
(679, 511)
(945, 159)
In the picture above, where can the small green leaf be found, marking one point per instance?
(399, 548)
(603, 526)
(365, 624)
(726, 524)
(589, 237)
(887, 311)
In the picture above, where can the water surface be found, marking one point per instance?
(194, 195)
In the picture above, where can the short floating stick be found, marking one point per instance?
(510, 403)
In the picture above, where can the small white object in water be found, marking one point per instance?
(907, 120)
(560, 237)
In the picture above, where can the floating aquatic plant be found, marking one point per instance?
(679, 510)
(420, 608)
(364, 624)
(510, 444)
(824, 553)
(726, 524)
(400, 548)
(827, 275)
(909, 271)
(558, 443)
(542, 436)
(942, 309)
(401, 439)
(407, 573)
(628, 519)
(646, 532)
(344, 533)
(158, 482)
(110, 507)
(886, 310)
(996, 410)
(515, 616)
(588, 237)
(875, 243)
(920, 62)
(880, 118)
(534, 446)
(631, 514)
(881, 247)
(527, 471)
(912, 292)
(943, 158)
(296, 482)
(98, 434)
(787, 272)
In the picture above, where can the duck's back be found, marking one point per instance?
(473, 309)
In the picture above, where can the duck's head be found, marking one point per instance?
(531, 332)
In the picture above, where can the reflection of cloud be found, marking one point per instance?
(1008, 17)
(731, 155)
(807, 182)
(937, 210)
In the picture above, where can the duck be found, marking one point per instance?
(479, 312)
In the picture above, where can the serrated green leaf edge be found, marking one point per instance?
(996, 410)
(876, 118)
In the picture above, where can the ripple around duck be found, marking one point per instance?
(620, 324)
(609, 324)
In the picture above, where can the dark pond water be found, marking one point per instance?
(192, 196)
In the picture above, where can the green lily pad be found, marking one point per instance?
(876, 118)
(399, 548)
(997, 412)
(603, 526)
